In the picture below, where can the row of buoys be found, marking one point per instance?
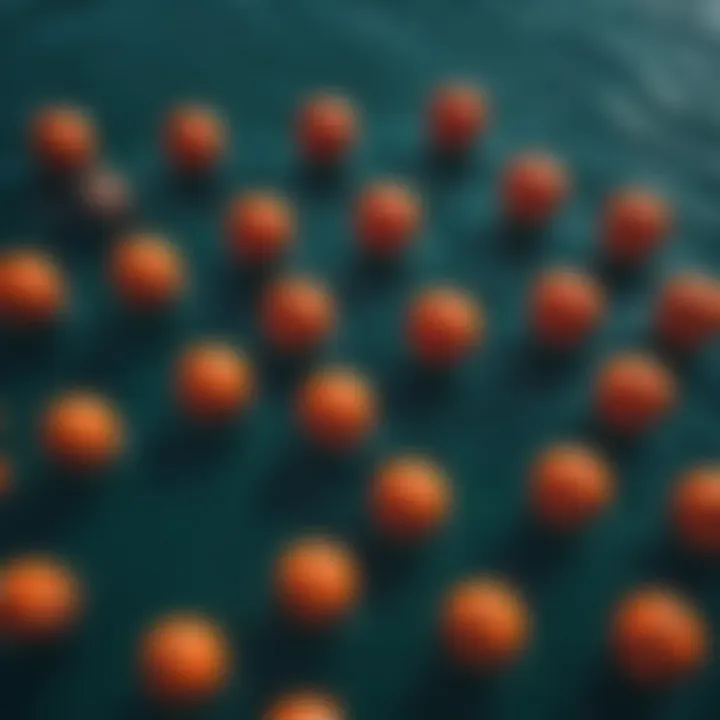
(484, 622)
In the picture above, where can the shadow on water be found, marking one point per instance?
(24, 353)
(286, 658)
(305, 477)
(190, 452)
(515, 242)
(25, 671)
(610, 696)
(533, 554)
(310, 181)
(191, 187)
(369, 276)
(442, 691)
(35, 516)
(392, 564)
(415, 388)
(540, 364)
(438, 166)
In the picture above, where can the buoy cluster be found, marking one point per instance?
(655, 635)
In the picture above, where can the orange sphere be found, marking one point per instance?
(387, 218)
(444, 326)
(688, 312)
(317, 581)
(40, 598)
(409, 498)
(569, 486)
(194, 138)
(565, 306)
(458, 114)
(696, 509)
(305, 705)
(297, 314)
(327, 128)
(337, 408)
(658, 637)
(63, 139)
(32, 287)
(534, 186)
(147, 271)
(260, 227)
(82, 431)
(213, 381)
(635, 222)
(184, 659)
(485, 624)
(633, 392)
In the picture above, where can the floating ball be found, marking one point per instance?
(635, 223)
(485, 624)
(184, 659)
(63, 139)
(81, 431)
(459, 114)
(305, 705)
(388, 216)
(695, 508)
(40, 598)
(565, 307)
(260, 227)
(410, 497)
(533, 187)
(569, 486)
(33, 289)
(658, 637)
(104, 196)
(327, 127)
(147, 271)
(337, 408)
(444, 326)
(194, 138)
(633, 392)
(687, 314)
(297, 314)
(317, 582)
(213, 381)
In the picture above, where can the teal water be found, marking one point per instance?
(624, 90)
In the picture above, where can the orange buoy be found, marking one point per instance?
(297, 314)
(213, 381)
(32, 287)
(687, 314)
(565, 306)
(410, 497)
(194, 138)
(40, 598)
(6, 476)
(569, 486)
(635, 222)
(485, 624)
(444, 326)
(337, 408)
(459, 113)
(658, 637)
(695, 508)
(534, 185)
(633, 392)
(317, 581)
(387, 218)
(184, 659)
(147, 271)
(63, 138)
(305, 705)
(260, 227)
(326, 128)
(81, 431)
